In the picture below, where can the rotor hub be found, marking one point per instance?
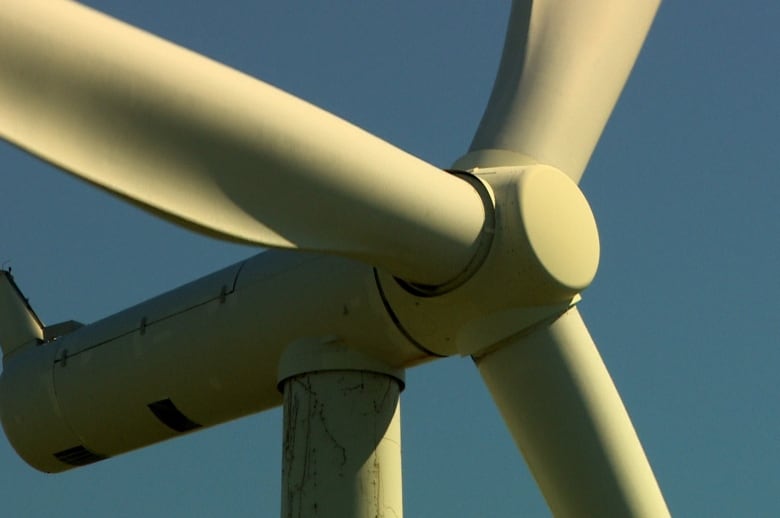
(544, 251)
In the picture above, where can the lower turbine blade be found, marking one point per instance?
(565, 414)
(220, 152)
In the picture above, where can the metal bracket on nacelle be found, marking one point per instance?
(60, 329)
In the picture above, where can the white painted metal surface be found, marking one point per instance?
(342, 433)
(212, 348)
(545, 250)
(566, 416)
(241, 159)
(563, 68)
(248, 162)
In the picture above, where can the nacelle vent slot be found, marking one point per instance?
(79, 456)
(171, 416)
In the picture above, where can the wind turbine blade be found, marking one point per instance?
(218, 151)
(566, 416)
(563, 67)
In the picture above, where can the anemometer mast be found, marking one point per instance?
(19, 325)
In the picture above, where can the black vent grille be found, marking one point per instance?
(78, 456)
(171, 416)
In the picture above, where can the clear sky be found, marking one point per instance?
(684, 309)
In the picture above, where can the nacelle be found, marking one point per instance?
(197, 356)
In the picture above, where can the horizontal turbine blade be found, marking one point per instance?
(218, 151)
(566, 416)
(563, 68)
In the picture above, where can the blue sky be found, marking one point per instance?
(684, 187)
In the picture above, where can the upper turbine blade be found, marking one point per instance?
(566, 416)
(563, 67)
(221, 152)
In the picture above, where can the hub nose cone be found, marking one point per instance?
(559, 227)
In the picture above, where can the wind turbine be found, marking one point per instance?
(487, 261)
